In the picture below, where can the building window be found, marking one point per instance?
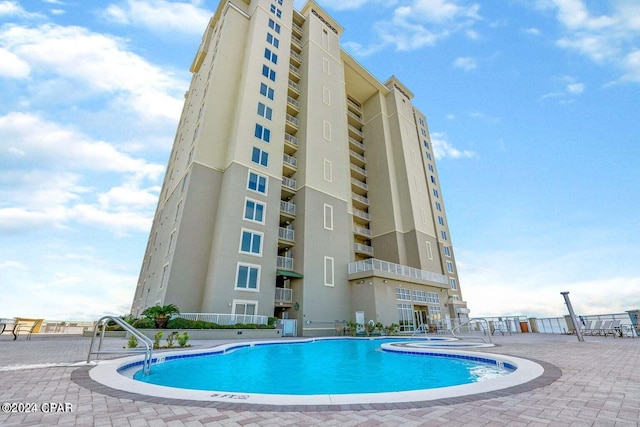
(328, 170)
(251, 242)
(328, 271)
(272, 40)
(435, 193)
(171, 239)
(165, 276)
(433, 180)
(325, 39)
(326, 130)
(419, 296)
(447, 250)
(178, 209)
(430, 167)
(262, 133)
(260, 157)
(435, 313)
(455, 297)
(452, 283)
(254, 211)
(403, 294)
(264, 111)
(276, 11)
(274, 26)
(440, 220)
(266, 91)
(429, 251)
(405, 317)
(443, 234)
(449, 266)
(247, 308)
(195, 133)
(248, 277)
(433, 297)
(328, 217)
(269, 73)
(438, 207)
(257, 183)
(271, 56)
(428, 156)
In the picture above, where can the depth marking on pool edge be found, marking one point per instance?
(231, 396)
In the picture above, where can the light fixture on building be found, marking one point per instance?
(360, 282)
(296, 306)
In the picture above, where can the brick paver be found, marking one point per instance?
(594, 383)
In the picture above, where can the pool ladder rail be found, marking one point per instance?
(486, 332)
(100, 330)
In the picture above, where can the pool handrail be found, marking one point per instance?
(475, 319)
(148, 344)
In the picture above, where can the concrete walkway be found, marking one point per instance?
(599, 385)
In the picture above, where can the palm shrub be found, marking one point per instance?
(161, 314)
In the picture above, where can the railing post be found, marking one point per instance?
(573, 315)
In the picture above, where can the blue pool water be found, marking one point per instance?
(318, 367)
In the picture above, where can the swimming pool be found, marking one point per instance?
(118, 374)
(321, 367)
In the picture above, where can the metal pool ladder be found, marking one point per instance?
(475, 319)
(148, 344)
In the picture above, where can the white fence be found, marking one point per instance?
(227, 319)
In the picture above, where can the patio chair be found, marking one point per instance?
(595, 328)
(605, 327)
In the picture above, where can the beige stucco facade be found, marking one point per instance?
(299, 186)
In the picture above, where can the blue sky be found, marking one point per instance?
(533, 108)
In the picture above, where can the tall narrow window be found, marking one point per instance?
(266, 91)
(429, 251)
(325, 39)
(449, 266)
(257, 183)
(328, 217)
(171, 240)
(452, 283)
(165, 276)
(269, 73)
(248, 277)
(274, 26)
(260, 157)
(271, 56)
(264, 111)
(272, 40)
(178, 209)
(251, 242)
(262, 133)
(328, 271)
(446, 250)
(254, 211)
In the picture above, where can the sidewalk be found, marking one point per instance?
(599, 385)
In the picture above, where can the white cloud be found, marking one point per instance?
(161, 15)
(532, 31)
(442, 148)
(575, 88)
(465, 63)
(94, 65)
(12, 66)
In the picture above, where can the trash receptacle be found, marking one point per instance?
(524, 327)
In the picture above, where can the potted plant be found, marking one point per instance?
(161, 314)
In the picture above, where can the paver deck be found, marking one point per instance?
(598, 384)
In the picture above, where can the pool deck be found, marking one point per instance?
(593, 383)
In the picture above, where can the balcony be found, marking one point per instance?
(294, 71)
(293, 103)
(292, 124)
(357, 133)
(289, 164)
(290, 144)
(288, 186)
(358, 186)
(287, 208)
(359, 201)
(354, 105)
(297, 29)
(284, 295)
(357, 159)
(296, 57)
(397, 269)
(354, 119)
(361, 231)
(296, 43)
(360, 172)
(363, 249)
(285, 263)
(295, 87)
(286, 237)
(354, 142)
(361, 214)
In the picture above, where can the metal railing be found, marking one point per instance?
(294, 121)
(291, 139)
(486, 332)
(359, 183)
(359, 247)
(358, 156)
(361, 214)
(289, 182)
(360, 198)
(286, 234)
(284, 294)
(284, 262)
(356, 131)
(226, 319)
(290, 160)
(295, 70)
(287, 207)
(358, 169)
(100, 329)
(293, 102)
(399, 269)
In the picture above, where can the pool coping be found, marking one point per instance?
(105, 379)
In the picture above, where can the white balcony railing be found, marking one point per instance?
(293, 102)
(399, 269)
(356, 131)
(360, 157)
(287, 207)
(290, 160)
(296, 55)
(361, 230)
(226, 319)
(359, 183)
(360, 198)
(286, 234)
(356, 143)
(289, 182)
(294, 121)
(293, 85)
(285, 263)
(295, 70)
(355, 116)
(361, 214)
(284, 294)
(354, 104)
(363, 248)
(291, 139)
(358, 169)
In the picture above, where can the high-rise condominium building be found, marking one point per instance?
(299, 186)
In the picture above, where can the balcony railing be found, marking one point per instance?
(294, 121)
(356, 131)
(360, 157)
(287, 207)
(289, 182)
(361, 230)
(226, 319)
(358, 169)
(296, 41)
(361, 214)
(390, 267)
(359, 183)
(291, 139)
(295, 70)
(293, 85)
(356, 143)
(285, 263)
(355, 116)
(354, 104)
(284, 294)
(358, 247)
(290, 160)
(360, 198)
(293, 102)
(296, 55)
(286, 234)
(296, 27)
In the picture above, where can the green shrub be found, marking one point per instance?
(144, 324)
(182, 339)
(114, 328)
(133, 342)
(156, 339)
(272, 321)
